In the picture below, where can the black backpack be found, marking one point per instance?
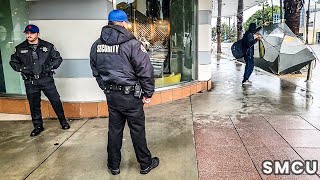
(238, 50)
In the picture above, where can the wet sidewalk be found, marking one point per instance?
(238, 127)
(223, 134)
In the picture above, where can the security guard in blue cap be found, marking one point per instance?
(36, 60)
(123, 69)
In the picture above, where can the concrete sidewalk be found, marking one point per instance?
(223, 134)
(80, 152)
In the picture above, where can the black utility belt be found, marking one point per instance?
(34, 77)
(120, 88)
(136, 89)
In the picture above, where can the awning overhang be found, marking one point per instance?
(230, 7)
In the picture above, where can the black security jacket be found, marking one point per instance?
(48, 58)
(128, 65)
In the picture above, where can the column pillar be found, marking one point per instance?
(204, 40)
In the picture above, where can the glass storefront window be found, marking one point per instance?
(13, 19)
(168, 31)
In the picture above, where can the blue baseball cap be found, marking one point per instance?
(31, 28)
(118, 16)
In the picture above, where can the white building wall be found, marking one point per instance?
(204, 40)
(73, 30)
(312, 30)
(315, 18)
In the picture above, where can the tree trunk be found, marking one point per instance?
(219, 26)
(292, 9)
(239, 19)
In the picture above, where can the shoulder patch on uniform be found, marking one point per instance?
(143, 49)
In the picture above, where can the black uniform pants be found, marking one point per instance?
(121, 108)
(33, 90)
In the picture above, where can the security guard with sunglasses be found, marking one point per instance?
(36, 60)
(122, 68)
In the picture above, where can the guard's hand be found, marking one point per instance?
(146, 100)
(48, 69)
(27, 71)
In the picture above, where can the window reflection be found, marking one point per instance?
(167, 29)
(13, 18)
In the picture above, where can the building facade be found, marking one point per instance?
(314, 23)
(176, 33)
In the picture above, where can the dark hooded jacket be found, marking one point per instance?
(249, 40)
(118, 58)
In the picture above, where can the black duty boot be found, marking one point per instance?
(154, 163)
(36, 131)
(65, 126)
(114, 171)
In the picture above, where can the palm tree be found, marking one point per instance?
(292, 9)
